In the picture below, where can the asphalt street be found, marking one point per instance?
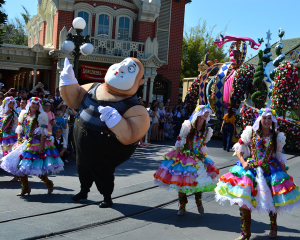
(140, 211)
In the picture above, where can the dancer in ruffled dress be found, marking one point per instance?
(8, 124)
(259, 181)
(34, 153)
(187, 168)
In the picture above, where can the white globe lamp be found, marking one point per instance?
(67, 46)
(86, 49)
(79, 23)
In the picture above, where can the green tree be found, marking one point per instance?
(15, 29)
(258, 82)
(3, 19)
(197, 41)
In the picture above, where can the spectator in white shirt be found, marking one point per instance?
(161, 126)
(23, 104)
(155, 122)
(151, 114)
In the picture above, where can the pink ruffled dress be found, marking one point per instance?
(25, 159)
(8, 137)
(190, 171)
(264, 187)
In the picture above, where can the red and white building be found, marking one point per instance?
(150, 30)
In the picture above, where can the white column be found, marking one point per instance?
(57, 78)
(145, 88)
(34, 77)
(151, 88)
(153, 75)
(59, 67)
(28, 81)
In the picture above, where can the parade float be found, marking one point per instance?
(271, 83)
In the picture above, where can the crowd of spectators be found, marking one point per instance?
(60, 116)
(165, 120)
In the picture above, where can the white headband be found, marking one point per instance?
(265, 112)
(199, 111)
(35, 100)
(5, 102)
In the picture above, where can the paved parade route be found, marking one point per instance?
(140, 211)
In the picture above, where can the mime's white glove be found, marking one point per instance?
(67, 76)
(110, 116)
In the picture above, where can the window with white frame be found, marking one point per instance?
(103, 26)
(123, 31)
(124, 28)
(85, 16)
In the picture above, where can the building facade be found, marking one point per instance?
(150, 30)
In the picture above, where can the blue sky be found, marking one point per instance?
(251, 18)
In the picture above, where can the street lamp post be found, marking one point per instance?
(76, 44)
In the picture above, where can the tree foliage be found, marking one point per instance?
(15, 29)
(197, 41)
(3, 19)
(258, 82)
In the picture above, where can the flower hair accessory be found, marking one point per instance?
(5, 102)
(35, 100)
(265, 112)
(199, 111)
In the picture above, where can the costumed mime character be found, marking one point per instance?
(109, 123)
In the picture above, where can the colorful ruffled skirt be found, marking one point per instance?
(185, 174)
(25, 160)
(7, 141)
(258, 190)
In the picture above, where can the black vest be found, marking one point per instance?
(89, 115)
(59, 146)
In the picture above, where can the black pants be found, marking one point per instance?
(227, 135)
(97, 156)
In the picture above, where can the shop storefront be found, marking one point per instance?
(161, 88)
(92, 73)
(22, 66)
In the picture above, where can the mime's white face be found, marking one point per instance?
(122, 75)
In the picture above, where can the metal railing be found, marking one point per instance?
(122, 48)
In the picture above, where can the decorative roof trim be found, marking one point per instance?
(124, 11)
(104, 9)
(84, 7)
(134, 6)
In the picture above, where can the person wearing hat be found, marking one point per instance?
(34, 154)
(187, 169)
(259, 181)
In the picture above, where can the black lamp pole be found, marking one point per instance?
(78, 40)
